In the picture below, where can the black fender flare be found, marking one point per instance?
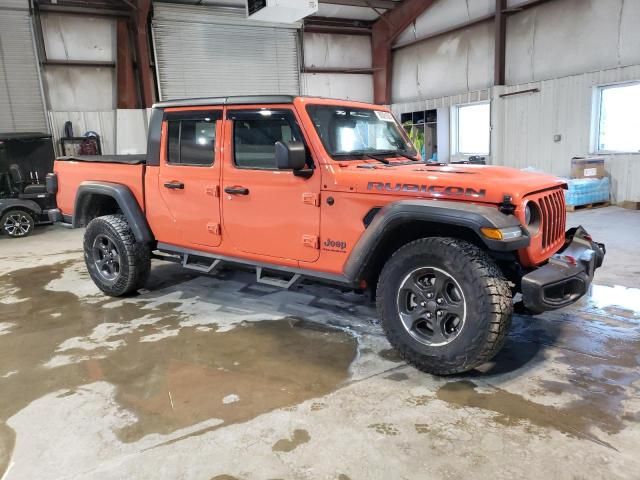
(24, 204)
(466, 215)
(125, 200)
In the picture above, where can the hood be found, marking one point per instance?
(480, 183)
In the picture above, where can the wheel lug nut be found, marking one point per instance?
(423, 304)
(439, 313)
(428, 315)
(429, 295)
(440, 300)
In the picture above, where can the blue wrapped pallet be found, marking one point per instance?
(584, 191)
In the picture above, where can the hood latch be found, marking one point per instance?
(507, 207)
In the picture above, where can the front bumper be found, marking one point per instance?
(567, 275)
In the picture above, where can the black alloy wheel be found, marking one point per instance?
(17, 223)
(106, 258)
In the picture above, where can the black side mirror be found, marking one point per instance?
(292, 156)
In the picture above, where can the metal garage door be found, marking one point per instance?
(21, 105)
(206, 51)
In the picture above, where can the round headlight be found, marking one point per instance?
(532, 216)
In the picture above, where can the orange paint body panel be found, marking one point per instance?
(295, 221)
(72, 174)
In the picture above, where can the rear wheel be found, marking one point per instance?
(17, 223)
(116, 262)
(444, 305)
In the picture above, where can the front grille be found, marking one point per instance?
(553, 218)
(548, 238)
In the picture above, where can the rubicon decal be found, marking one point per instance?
(334, 245)
(432, 189)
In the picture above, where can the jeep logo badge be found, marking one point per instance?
(334, 245)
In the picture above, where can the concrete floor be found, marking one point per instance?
(221, 378)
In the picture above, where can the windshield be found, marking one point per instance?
(355, 132)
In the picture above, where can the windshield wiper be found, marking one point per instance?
(401, 153)
(363, 154)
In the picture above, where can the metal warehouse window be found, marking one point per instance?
(212, 52)
(472, 129)
(617, 126)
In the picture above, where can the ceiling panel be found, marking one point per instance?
(324, 10)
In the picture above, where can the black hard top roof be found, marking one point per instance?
(4, 137)
(239, 100)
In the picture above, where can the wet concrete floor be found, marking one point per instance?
(218, 377)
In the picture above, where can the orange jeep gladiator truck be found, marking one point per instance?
(332, 191)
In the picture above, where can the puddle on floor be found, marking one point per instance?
(169, 384)
(289, 444)
(618, 297)
(576, 419)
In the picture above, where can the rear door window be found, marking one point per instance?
(191, 141)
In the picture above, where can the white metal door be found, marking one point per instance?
(21, 104)
(216, 52)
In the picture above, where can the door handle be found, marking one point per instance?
(236, 190)
(174, 185)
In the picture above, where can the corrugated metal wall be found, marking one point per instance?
(206, 51)
(550, 46)
(338, 51)
(21, 103)
(524, 127)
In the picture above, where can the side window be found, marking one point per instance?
(255, 135)
(191, 142)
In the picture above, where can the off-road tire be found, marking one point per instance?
(25, 219)
(134, 257)
(486, 293)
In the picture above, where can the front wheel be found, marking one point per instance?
(444, 305)
(17, 223)
(116, 262)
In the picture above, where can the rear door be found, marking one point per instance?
(189, 177)
(266, 211)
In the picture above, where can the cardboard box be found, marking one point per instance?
(587, 167)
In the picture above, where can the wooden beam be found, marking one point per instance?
(524, 6)
(500, 43)
(337, 30)
(95, 12)
(346, 71)
(386, 4)
(145, 77)
(384, 32)
(520, 92)
(126, 82)
(78, 63)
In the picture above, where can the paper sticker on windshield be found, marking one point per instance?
(384, 116)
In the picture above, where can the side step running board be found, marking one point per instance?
(199, 267)
(261, 277)
(206, 262)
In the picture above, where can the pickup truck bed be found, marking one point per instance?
(123, 169)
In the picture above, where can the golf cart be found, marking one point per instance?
(25, 161)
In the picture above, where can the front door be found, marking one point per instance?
(189, 177)
(266, 211)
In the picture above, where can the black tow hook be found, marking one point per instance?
(506, 206)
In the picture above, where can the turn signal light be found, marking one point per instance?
(501, 233)
(492, 233)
